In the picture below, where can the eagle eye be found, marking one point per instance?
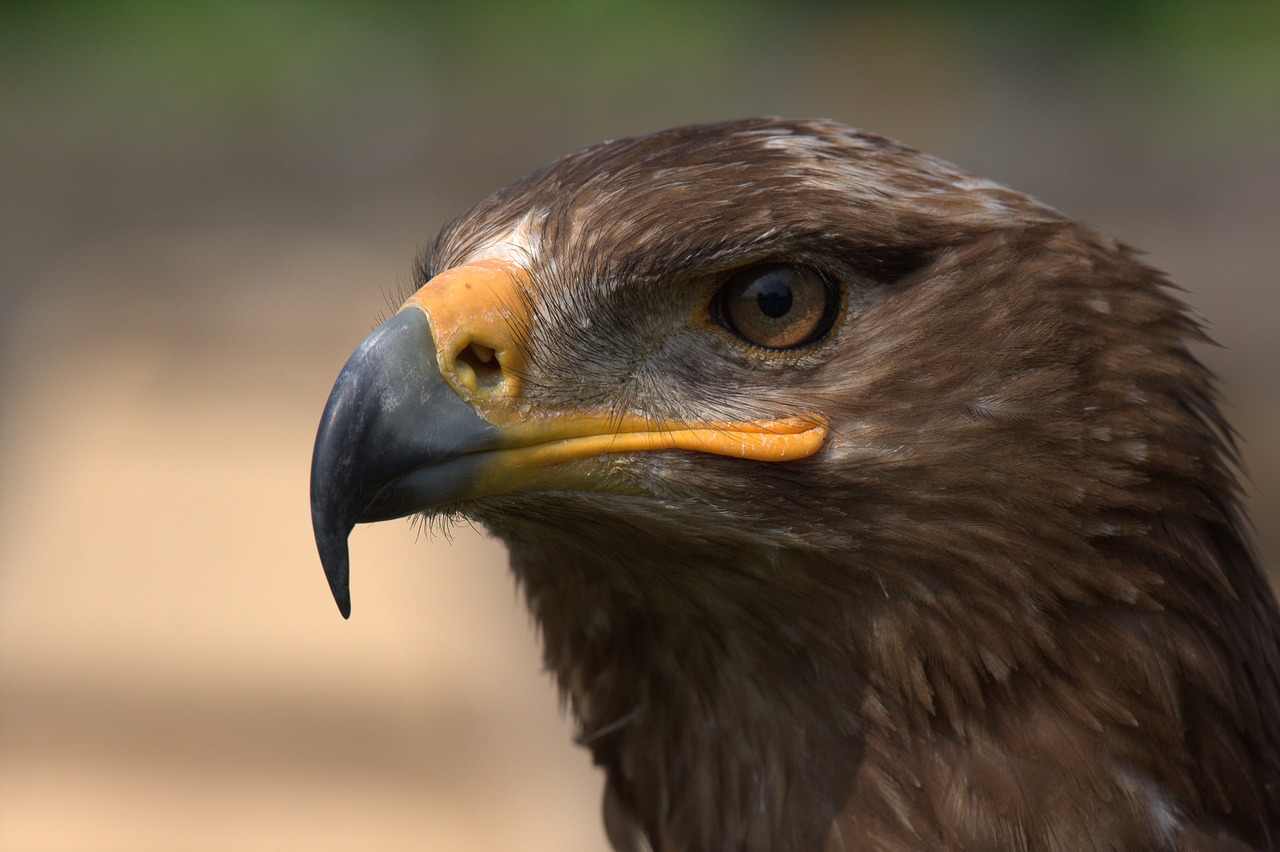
(777, 305)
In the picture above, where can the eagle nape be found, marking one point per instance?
(861, 502)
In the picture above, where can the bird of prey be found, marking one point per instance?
(862, 503)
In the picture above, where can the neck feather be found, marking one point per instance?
(746, 696)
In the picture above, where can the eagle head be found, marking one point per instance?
(861, 502)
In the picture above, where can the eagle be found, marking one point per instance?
(861, 502)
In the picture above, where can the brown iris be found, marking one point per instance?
(777, 305)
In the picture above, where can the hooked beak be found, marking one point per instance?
(390, 414)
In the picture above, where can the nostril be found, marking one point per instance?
(483, 363)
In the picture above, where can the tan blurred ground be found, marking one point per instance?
(179, 296)
(174, 674)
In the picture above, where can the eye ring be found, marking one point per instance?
(777, 306)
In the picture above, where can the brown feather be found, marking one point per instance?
(1010, 604)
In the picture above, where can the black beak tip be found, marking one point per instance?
(336, 559)
(337, 571)
(343, 600)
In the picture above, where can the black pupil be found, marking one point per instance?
(772, 295)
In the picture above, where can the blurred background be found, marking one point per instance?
(205, 206)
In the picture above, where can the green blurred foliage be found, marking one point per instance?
(154, 66)
(257, 58)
